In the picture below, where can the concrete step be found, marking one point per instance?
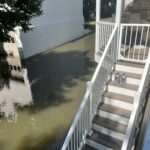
(127, 89)
(130, 67)
(114, 99)
(109, 127)
(114, 113)
(103, 142)
(131, 78)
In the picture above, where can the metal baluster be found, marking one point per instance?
(79, 131)
(77, 135)
(125, 42)
(100, 36)
(74, 135)
(81, 126)
(105, 35)
(129, 53)
(140, 44)
(147, 36)
(71, 144)
(83, 121)
(135, 42)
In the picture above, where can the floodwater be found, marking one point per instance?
(58, 82)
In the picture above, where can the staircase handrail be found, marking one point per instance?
(139, 97)
(86, 97)
(104, 54)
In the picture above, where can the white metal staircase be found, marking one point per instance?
(110, 113)
(110, 123)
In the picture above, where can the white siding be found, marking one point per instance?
(61, 22)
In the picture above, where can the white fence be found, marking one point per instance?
(83, 120)
(134, 42)
(104, 30)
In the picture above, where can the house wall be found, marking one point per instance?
(143, 7)
(61, 22)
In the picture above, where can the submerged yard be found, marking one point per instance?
(58, 81)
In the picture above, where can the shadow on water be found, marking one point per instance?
(58, 80)
(53, 74)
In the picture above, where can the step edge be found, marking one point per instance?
(123, 105)
(103, 147)
(123, 120)
(109, 128)
(117, 99)
(100, 105)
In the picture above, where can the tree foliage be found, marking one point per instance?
(17, 13)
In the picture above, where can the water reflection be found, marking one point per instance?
(58, 82)
(18, 94)
(15, 89)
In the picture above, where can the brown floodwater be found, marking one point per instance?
(58, 82)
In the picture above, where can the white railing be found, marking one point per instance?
(83, 120)
(137, 108)
(103, 32)
(134, 42)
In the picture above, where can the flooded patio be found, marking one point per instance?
(58, 81)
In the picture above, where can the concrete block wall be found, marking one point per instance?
(61, 22)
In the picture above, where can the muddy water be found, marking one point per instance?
(58, 81)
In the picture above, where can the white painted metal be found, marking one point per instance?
(134, 45)
(108, 132)
(98, 33)
(104, 69)
(80, 126)
(119, 10)
(113, 117)
(93, 96)
(97, 145)
(117, 103)
(138, 102)
(103, 32)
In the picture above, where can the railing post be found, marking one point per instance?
(89, 87)
(120, 30)
(97, 35)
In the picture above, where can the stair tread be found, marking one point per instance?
(125, 86)
(128, 74)
(105, 140)
(114, 110)
(87, 147)
(110, 124)
(131, 64)
(120, 97)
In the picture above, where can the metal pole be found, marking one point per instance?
(89, 87)
(119, 11)
(98, 16)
